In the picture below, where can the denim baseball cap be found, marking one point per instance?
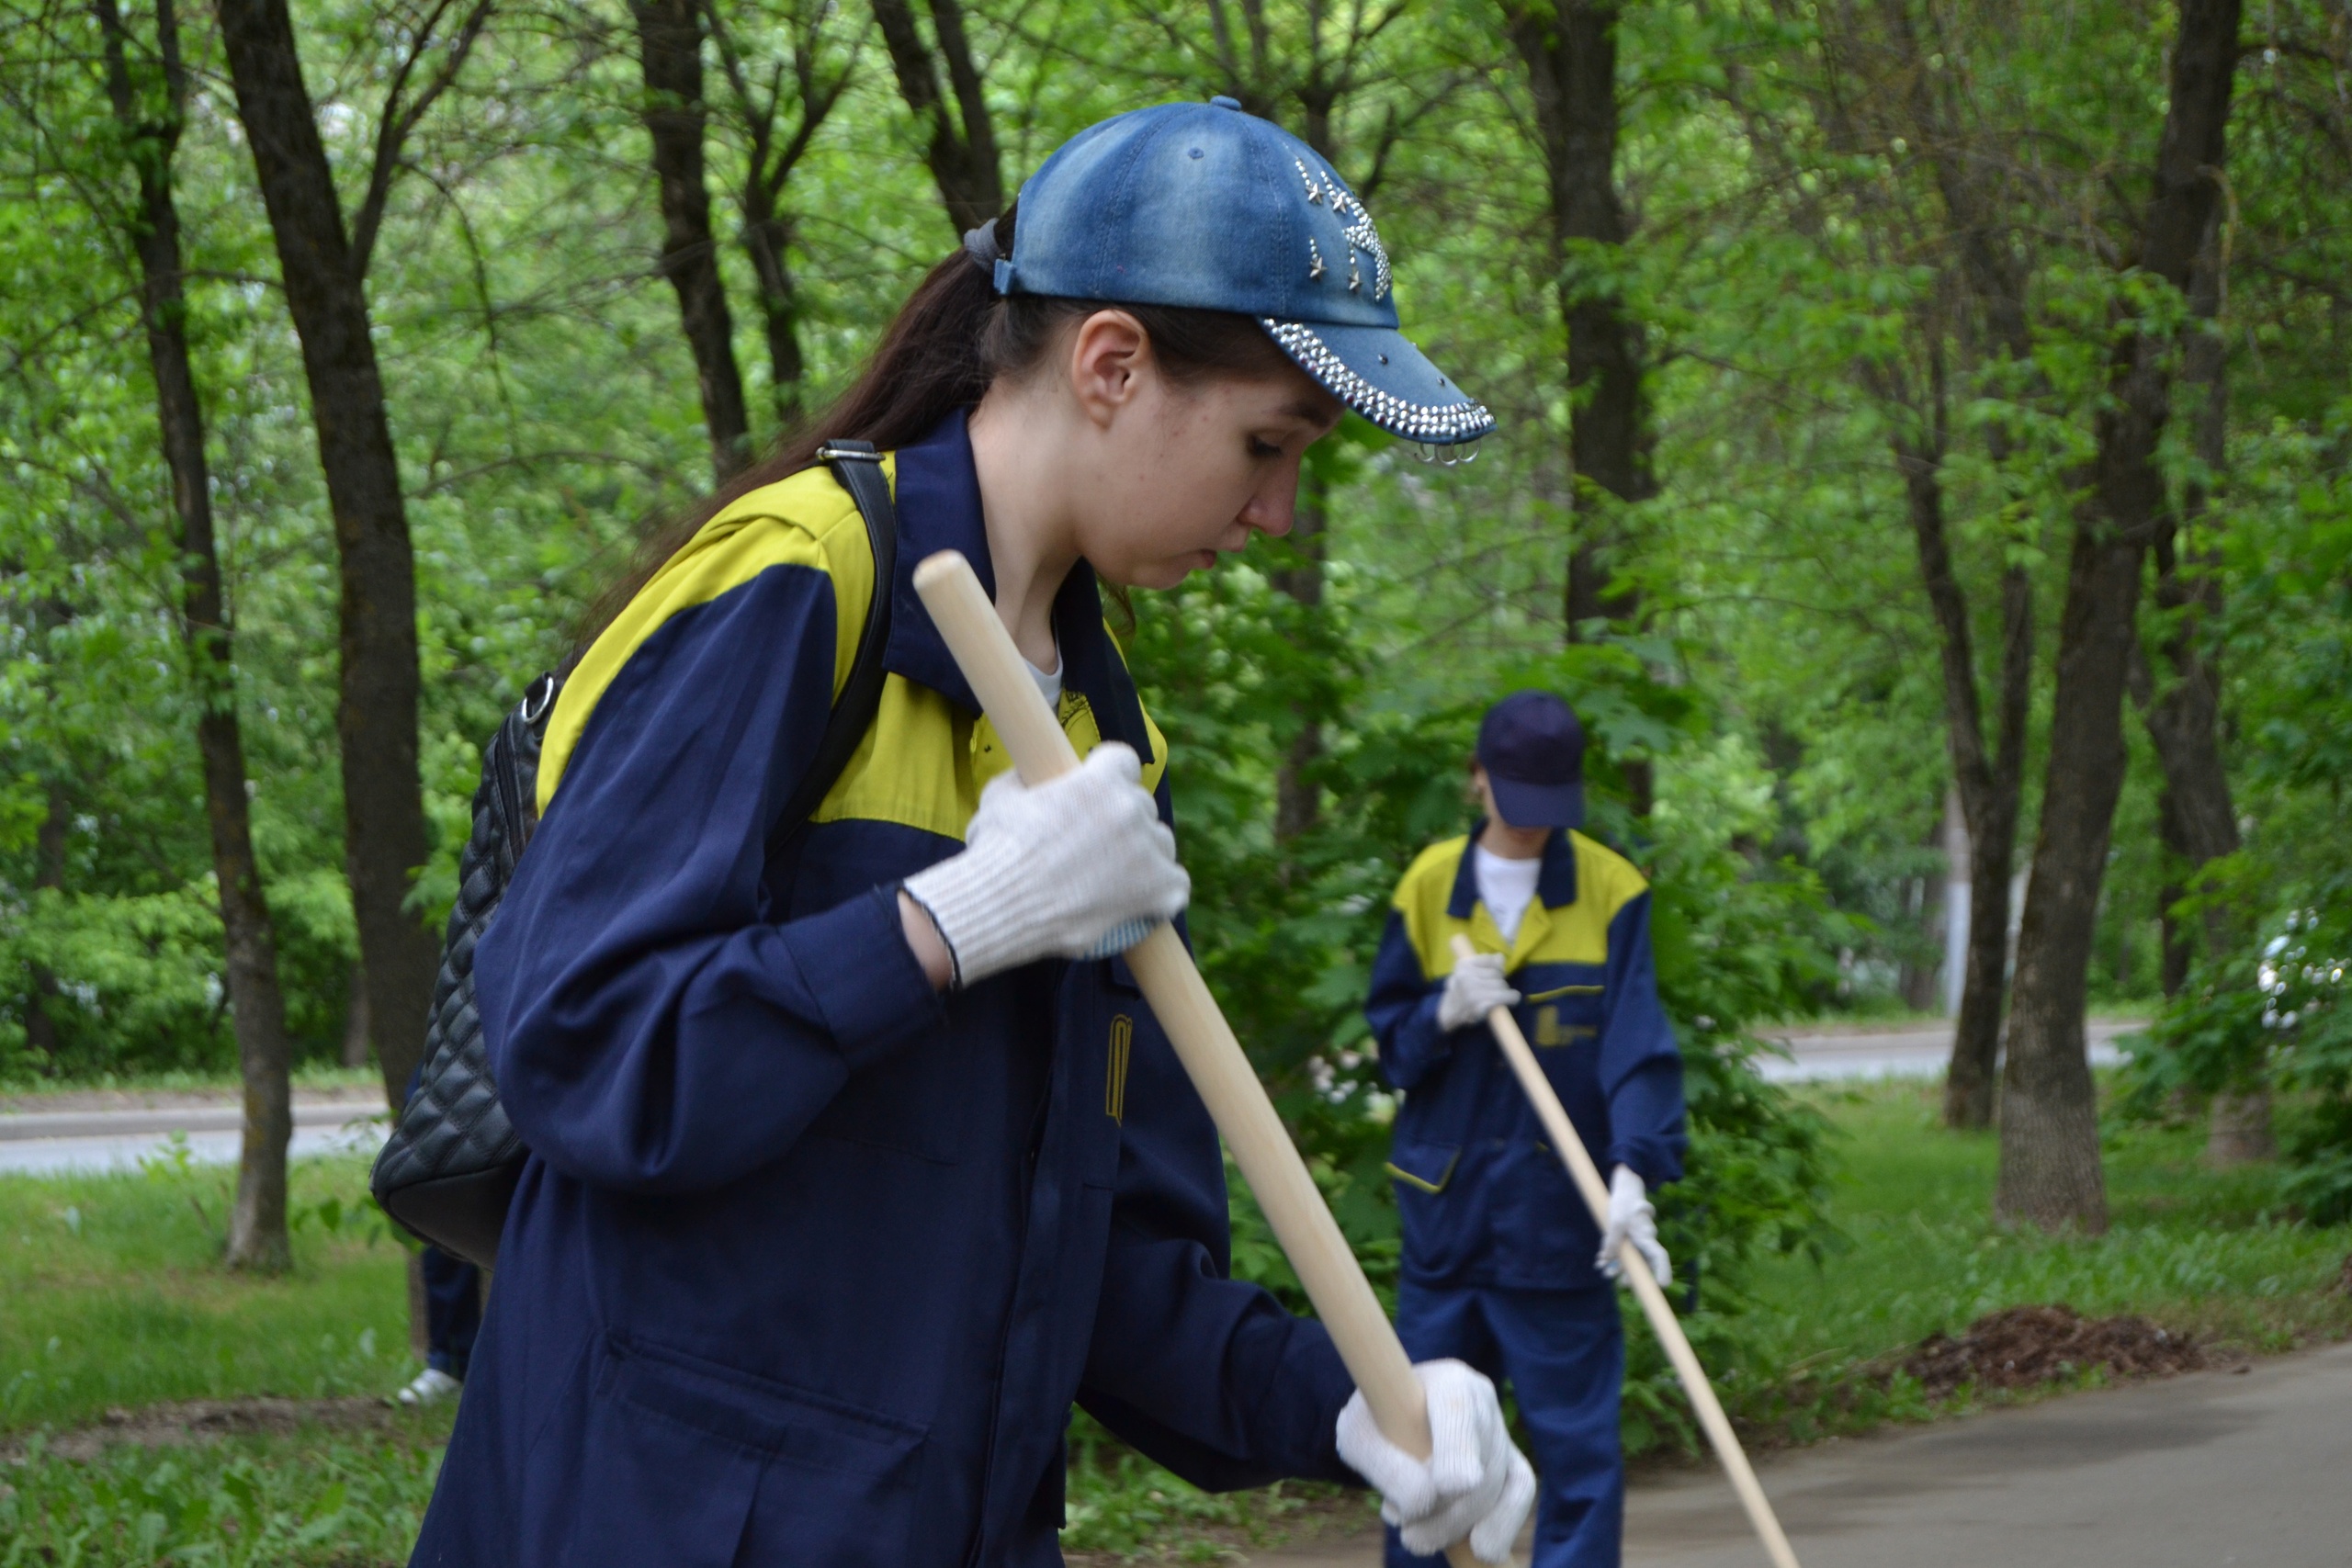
(1207, 207)
(1532, 750)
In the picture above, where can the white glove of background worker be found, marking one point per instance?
(1631, 1218)
(1474, 1484)
(1078, 867)
(1475, 987)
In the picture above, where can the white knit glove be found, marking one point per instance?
(1078, 867)
(1475, 1483)
(1475, 987)
(1631, 1218)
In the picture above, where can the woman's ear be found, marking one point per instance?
(1109, 357)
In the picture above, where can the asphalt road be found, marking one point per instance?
(2206, 1470)
(50, 1141)
(1918, 1051)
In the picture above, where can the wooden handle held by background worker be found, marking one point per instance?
(1663, 1323)
(1203, 1042)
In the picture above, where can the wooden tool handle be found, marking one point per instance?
(1205, 1043)
(1663, 1323)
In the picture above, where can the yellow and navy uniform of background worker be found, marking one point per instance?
(808, 1261)
(1498, 1264)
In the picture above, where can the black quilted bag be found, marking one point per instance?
(449, 1172)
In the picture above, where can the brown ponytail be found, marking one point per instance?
(953, 337)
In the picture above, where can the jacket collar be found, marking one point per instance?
(939, 509)
(1555, 884)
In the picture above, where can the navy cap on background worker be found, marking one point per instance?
(1503, 1266)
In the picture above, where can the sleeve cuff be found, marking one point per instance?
(878, 1004)
(1646, 1158)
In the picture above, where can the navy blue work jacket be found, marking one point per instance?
(810, 1262)
(1484, 1197)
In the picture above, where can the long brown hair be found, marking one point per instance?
(953, 337)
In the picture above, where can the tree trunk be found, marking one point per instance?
(354, 1018)
(961, 146)
(49, 872)
(669, 37)
(1570, 53)
(2184, 721)
(1297, 800)
(2049, 1159)
(767, 237)
(376, 716)
(257, 1238)
(1989, 780)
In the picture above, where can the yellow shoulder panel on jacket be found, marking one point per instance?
(807, 519)
(1422, 893)
(1605, 878)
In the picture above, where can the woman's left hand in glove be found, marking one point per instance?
(1475, 1484)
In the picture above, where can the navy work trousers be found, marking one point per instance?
(452, 1311)
(1563, 1353)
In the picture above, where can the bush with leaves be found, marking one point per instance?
(1234, 669)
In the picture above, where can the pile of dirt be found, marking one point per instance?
(199, 1420)
(2025, 1346)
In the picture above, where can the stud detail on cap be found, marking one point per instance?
(1436, 424)
(1356, 224)
(1313, 260)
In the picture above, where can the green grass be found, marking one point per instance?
(2211, 1252)
(111, 1293)
(308, 1496)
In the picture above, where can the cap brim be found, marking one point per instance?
(1524, 804)
(1377, 372)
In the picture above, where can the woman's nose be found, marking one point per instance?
(1272, 510)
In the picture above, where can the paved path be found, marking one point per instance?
(1909, 1050)
(50, 1143)
(107, 1138)
(2206, 1470)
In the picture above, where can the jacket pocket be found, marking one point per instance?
(697, 1465)
(1439, 1219)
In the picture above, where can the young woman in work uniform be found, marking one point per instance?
(853, 1169)
(1503, 1266)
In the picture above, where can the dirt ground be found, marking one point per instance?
(201, 1420)
(2026, 1345)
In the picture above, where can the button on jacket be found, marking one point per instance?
(808, 1262)
(1483, 1198)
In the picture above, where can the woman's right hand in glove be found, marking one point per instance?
(1078, 867)
(1475, 988)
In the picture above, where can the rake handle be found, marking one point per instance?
(1663, 1323)
(1205, 1043)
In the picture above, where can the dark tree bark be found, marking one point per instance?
(354, 1019)
(257, 1238)
(961, 137)
(1990, 779)
(2050, 1172)
(323, 270)
(1298, 802)
(669, 35)
(2184, 719)
(773, 151)
(49, 872)
(1569, 50)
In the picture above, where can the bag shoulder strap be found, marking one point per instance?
(858, 466)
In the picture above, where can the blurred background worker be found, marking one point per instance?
(1503, 1266)
(452, 1319)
